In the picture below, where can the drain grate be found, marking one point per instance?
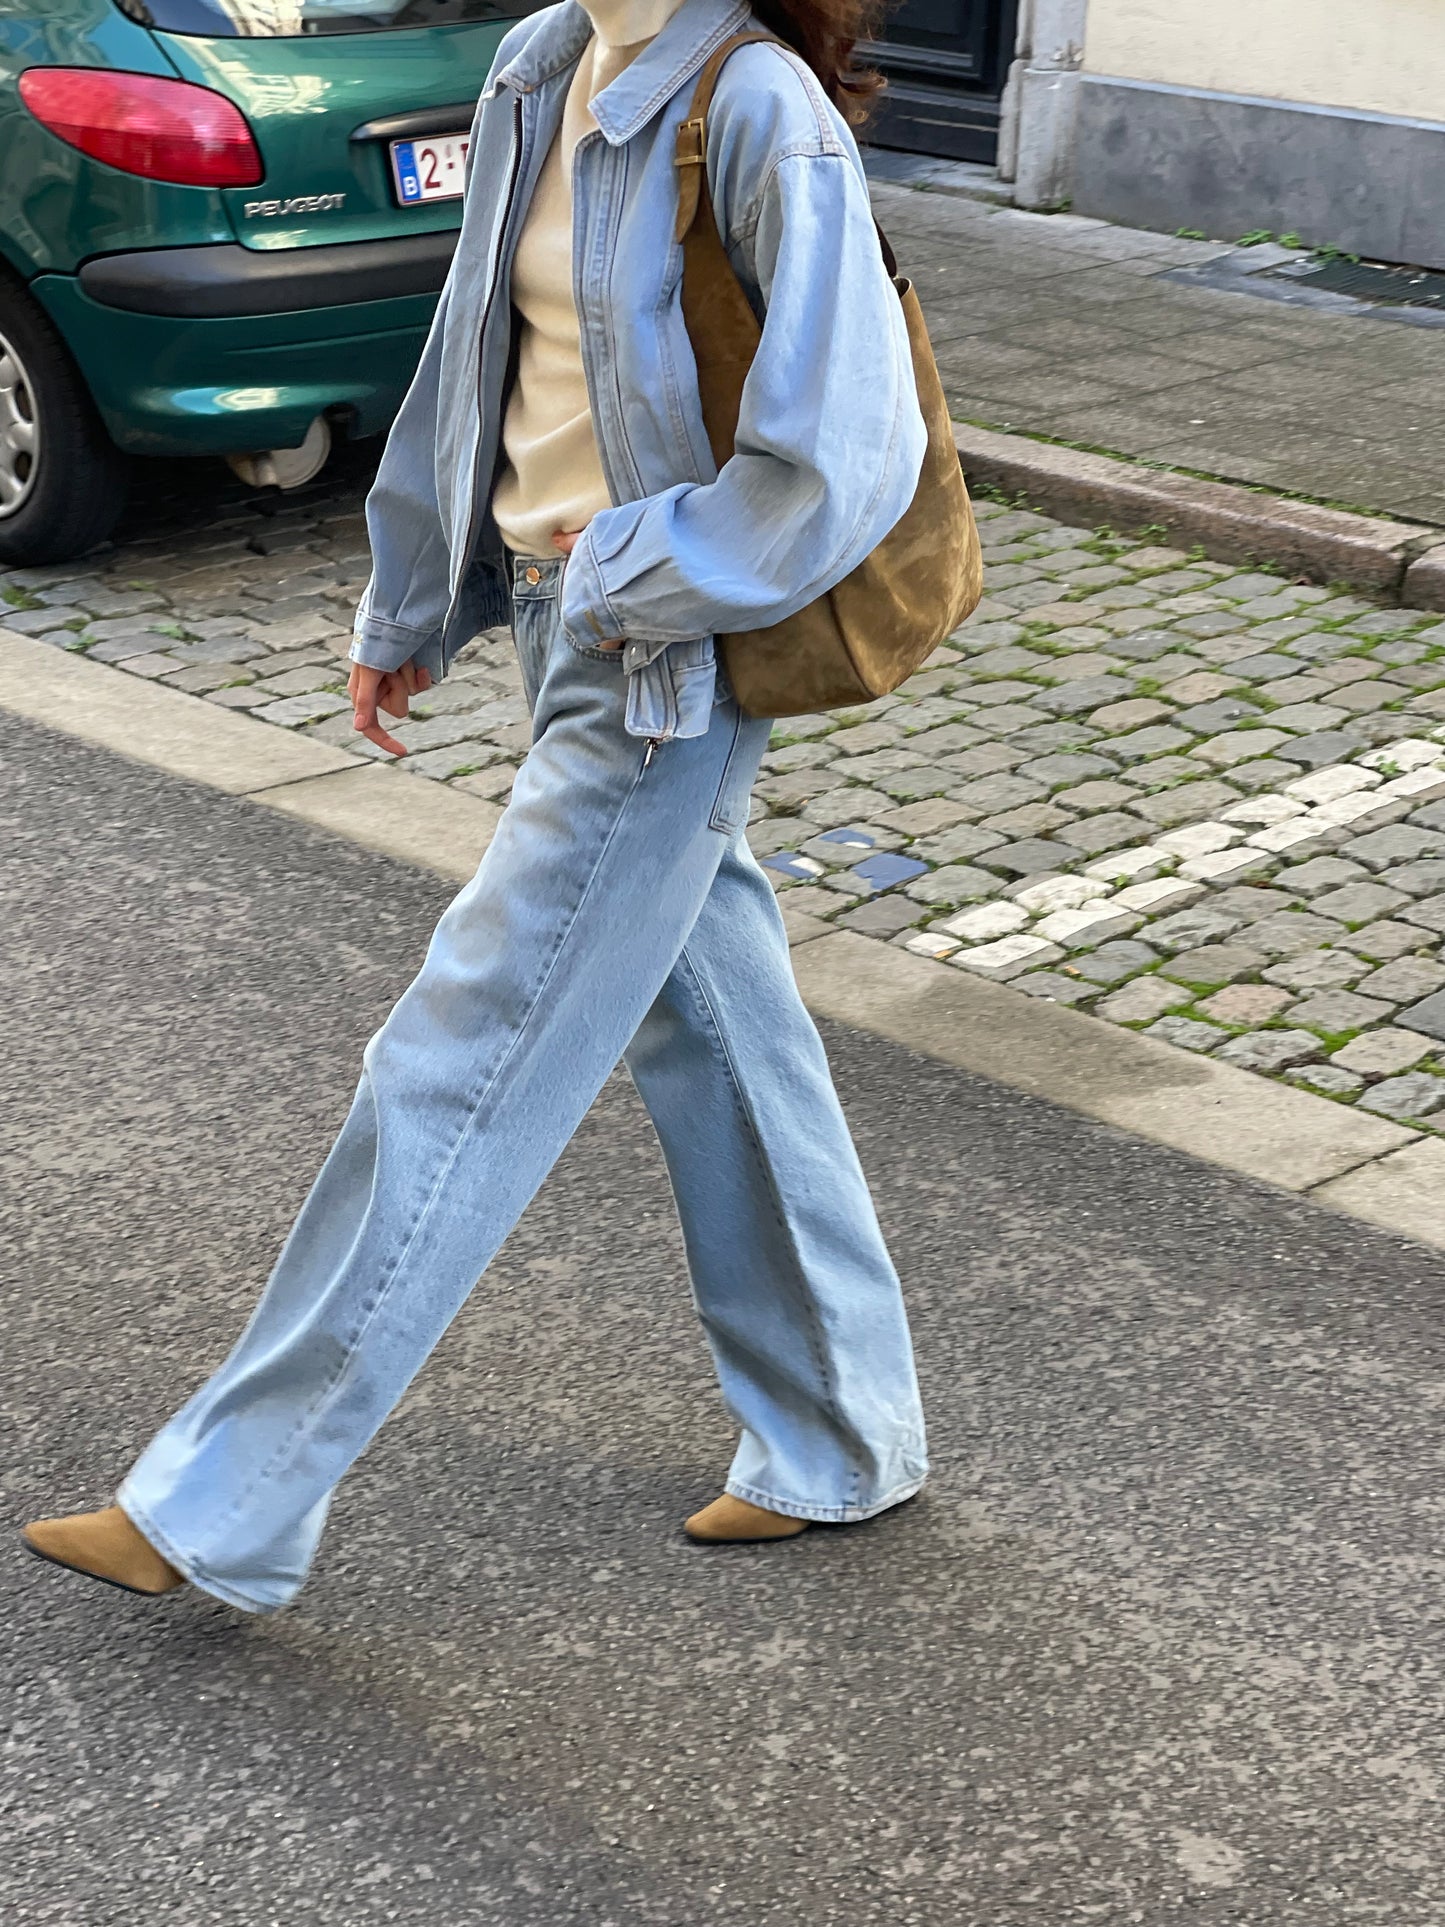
(1369, 281)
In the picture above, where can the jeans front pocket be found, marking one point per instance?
(745, 747)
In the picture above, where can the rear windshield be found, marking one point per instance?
(286, 19)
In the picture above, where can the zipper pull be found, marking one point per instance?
(653, 744)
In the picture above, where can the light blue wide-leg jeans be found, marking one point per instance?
(617, 910)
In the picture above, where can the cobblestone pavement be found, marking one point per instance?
(1201, 802)
(1111, 338)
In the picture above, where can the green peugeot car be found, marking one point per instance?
(224, 225)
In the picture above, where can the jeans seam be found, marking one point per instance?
(373, 1310)
(830, 1392)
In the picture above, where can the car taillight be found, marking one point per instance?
(166, 130)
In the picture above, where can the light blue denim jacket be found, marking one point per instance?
(830, 440)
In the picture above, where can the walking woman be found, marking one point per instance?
(551, 465)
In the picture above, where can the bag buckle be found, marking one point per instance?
(692, 142)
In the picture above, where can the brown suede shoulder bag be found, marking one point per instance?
(874, 629)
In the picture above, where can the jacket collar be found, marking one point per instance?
(642, 90)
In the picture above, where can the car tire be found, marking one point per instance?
(63, 481)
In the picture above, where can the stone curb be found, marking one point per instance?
(1404, 561)
(1379, 1172)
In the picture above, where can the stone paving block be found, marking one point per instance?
(954, 883)
(1325, 1078)
(150, 666)
(1142, 1001)
(1297, 837)
(1187, 1033)
(926, 818)
(1190, 803)
(1396, 843)
(1262, 812)
(1269, 1050)
(914, 785)
(1336, 1010)
(882, 916)
(1427, 1016)
(1136, 713)
(1360, 813)
(1319, 747)
(1428, 915)
(1382, 1053)
(1360, 903)
(1334, 779)
(1423, 877)
(1031, 855)
(1136, 863)
(1385, 941)
(1212, 719)
(1089, 693)
(1032, 819)
(1358, 697)
(1055, 989)
(1405, 979)
(1199, 839)
(923, 943)
(1140, 745)
(1111, 963)
(1415, 1095)
(957, 845)
(1091, 923)
(1260, 773)
(1285, 933)
(1246, 1004)
(984, 759)
(1320, 874)
(1042, 896)
(1089, 798)
(1203, 923)
(1239, 745)
(1212, 964)
(1431, 818)
(1318, 970)
(1224, 865)
(292, 711)
(1093, 835)
(991, 795)
(986, 922)
(1163, 894)
(1008, 957)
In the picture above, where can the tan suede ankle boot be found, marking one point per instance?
(105, 1546)
(733, 1522)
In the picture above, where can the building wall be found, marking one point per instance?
(1382, 56)
(1324, 118)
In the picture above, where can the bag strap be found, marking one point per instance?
(692, 188)
(694, 198)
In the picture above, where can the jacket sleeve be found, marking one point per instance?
(410, 555)
(829, 445)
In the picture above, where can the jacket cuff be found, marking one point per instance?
(587, 616)
(378, 644)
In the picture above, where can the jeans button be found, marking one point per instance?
(534, 575)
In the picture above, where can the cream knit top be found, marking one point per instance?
(552, 474)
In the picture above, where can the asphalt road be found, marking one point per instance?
(1162, 1643)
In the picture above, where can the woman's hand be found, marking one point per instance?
(371, 690)
(565, 540)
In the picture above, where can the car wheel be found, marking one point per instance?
(62, 479)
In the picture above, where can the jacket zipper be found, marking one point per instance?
(503, 236)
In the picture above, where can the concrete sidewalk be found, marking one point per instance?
(1178, 352)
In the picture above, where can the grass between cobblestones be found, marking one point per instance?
(1194, 800)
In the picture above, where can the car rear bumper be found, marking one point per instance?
(171, 384)
(227, 280)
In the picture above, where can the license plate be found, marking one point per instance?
(433, 169)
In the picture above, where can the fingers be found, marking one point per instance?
(365, 686)
(566, 540)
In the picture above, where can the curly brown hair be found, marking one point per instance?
(825, 33)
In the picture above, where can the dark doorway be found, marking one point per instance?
(946, 62)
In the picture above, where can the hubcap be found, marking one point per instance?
(19, 432)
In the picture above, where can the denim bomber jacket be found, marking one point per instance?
(830, 440)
